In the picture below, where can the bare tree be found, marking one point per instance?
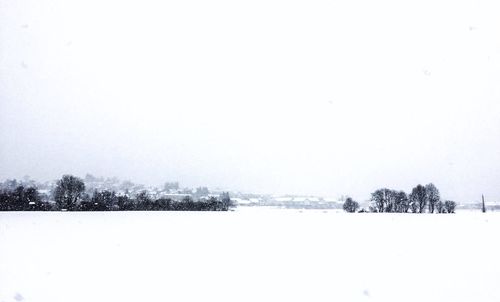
(382, 200)
(227, 203)
(418, 198)
(413, 206)
(402, 202)
(440, 207)
(432, 196)
(350, 205)
(101, 201)
(143, 201)
(68, 192)
(450, 206)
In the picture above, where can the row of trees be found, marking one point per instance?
(69, 195)
(22, 198)
(421, 199)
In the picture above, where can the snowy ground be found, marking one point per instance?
(249, 255)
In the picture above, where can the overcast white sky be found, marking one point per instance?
(304, 97)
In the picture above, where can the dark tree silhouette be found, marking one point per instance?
(413, 206)
(68, 191)
(163, 204)
(350, 205)
(100, 201)
(440, 207)
(19, 200)
(450, 206)
(187, 204)
(4, 200)
(32, 199)
(418, 198)
(143, 201)
(109, 200)
(383, 199)
(70, 195)
(26, 199)
(125, 203)
(432, 196)
(22, 198)
(402, 202)
(226, 201)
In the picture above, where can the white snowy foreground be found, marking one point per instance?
(248, 255)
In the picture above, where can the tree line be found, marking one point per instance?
(422, 199)
(69, 195)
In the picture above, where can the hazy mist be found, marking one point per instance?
(302, 97)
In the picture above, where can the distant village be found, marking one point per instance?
(176, 192)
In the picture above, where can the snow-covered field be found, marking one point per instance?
(249, 255)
